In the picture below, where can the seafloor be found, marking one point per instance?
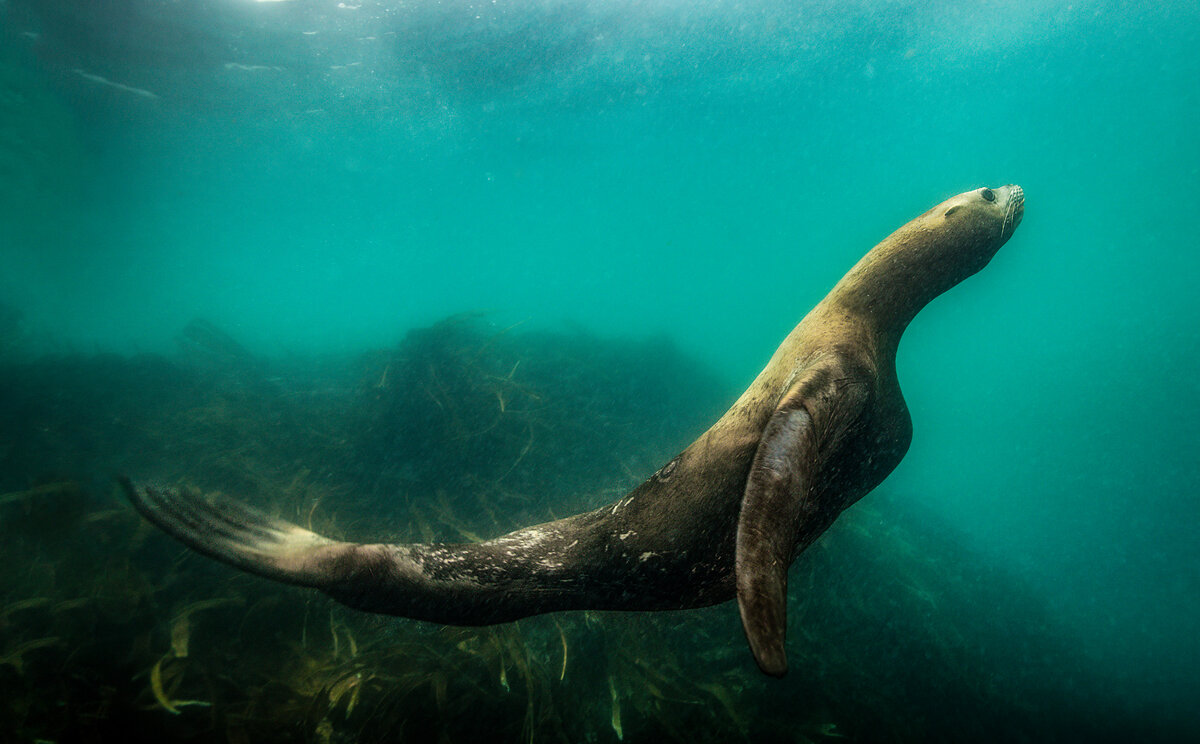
(110, 631)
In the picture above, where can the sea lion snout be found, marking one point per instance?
(1014, 209)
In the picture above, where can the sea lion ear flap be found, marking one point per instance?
(772, 508)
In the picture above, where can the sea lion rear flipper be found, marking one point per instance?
(778, 516)
(242, 536)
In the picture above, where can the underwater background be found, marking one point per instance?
(437, 270)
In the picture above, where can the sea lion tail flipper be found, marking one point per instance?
(247, 538)
(465, 584)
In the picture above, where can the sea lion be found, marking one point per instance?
(820, 426)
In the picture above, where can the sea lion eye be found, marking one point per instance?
(988, 195)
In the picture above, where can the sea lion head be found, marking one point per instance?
(969, 228)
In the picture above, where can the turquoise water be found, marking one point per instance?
(320, 177)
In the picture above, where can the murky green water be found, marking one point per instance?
(657, 192)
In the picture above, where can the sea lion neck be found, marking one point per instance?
(924, 258)
(891, 284)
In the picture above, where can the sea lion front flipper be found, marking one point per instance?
(245, 537)
(778, 515)
(771, 507)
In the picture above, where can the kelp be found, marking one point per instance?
(110, 631)
(499, 420)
